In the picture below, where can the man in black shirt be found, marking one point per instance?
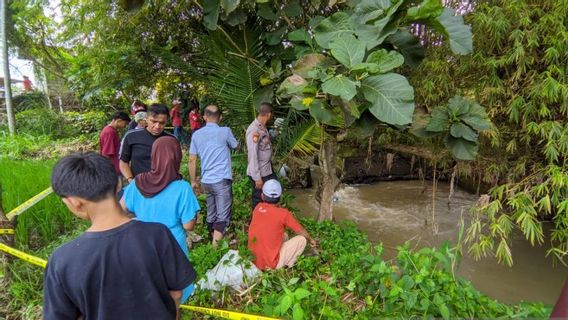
(119, 268)
(136, 149)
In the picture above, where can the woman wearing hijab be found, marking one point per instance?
(161, 195)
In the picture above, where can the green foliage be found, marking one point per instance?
(518, 71)
(460, 122)
(346, 277)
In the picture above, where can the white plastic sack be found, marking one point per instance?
(229, 272)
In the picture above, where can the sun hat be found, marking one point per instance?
(272, 188)
(176, 102)
(140, 116)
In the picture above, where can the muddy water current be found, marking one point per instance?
(395, 212)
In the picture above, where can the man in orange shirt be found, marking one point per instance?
(266, 232)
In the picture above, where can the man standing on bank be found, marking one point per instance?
(213, 144)
(259, 150)
(136, 150)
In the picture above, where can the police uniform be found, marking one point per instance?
(259, 150)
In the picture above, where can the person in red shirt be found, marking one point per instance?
(109, 142)
(27, 84)
(195, 119)
(176, 120)
(266, 231)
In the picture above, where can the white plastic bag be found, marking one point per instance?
(230, 271)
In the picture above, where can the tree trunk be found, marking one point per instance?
(5, 66)
(329, 181)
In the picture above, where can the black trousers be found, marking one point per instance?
(257, 192)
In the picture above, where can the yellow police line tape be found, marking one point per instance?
(27, 204)
(214, 312)
(6, 231)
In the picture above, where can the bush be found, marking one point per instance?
(30, 100)
(85, 122)
(40, 121)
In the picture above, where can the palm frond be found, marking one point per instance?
(234, 64)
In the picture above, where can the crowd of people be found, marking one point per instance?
(133, 261)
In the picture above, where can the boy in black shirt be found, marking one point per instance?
(119, 268)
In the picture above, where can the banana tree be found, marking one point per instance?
(345, 74)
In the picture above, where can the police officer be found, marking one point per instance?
(259, 149)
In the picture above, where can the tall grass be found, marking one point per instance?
(47, 219)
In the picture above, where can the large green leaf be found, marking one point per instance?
(348, 50)
(409, 46)
(333, 27)
(462, 149)
(299, 35)
(476, 118)
(392, 98)
(460, 130)
(374, 21)
(458, 33)
(426, 10)
(211, 14)
(322, 114)
(229, 5)
(371, 10)
(297, 103)
(459, 105)
(340, 86)
(420, 120)
(439, 120)
(386, 60)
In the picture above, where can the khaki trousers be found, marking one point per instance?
(290, 251)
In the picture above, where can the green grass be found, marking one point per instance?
(46, 220)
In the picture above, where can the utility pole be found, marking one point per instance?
(6, 66)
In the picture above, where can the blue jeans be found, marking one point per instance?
(179, 134)
(219, 204)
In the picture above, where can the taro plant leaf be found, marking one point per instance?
(308, 62)
(229, 5)
(340, 86)
(458, 33)
(348, 50)
(333, 27)
(391, 96)
(210, 14)
(460, 130)
(386, 60)
(440, 120)
(293, 9)
(409, 46)
(427, 9)
(462, 149)
(319, 112)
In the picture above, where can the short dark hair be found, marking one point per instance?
(265, 108)
(213, 114)
(86, 175)
(271, 199)
(121, 115)
(157, 109)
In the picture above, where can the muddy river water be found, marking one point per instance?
(394, 212)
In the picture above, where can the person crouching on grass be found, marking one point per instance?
(119, 268)
(266, 232)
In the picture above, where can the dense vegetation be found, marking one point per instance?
(518, 72)
(345, 278)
